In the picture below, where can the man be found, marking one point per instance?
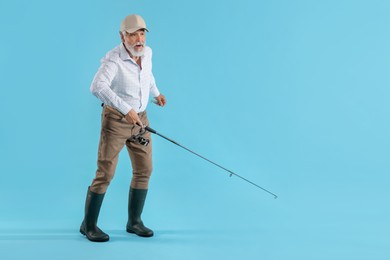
(123, 83)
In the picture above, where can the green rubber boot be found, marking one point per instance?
(136, 204)
(92, 209)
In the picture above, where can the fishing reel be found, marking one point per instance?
(138, 138)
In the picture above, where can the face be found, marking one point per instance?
(135, 42)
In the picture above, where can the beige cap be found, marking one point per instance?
(133, 23)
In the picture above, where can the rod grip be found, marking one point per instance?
(147, 128)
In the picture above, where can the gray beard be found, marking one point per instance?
(133, 52)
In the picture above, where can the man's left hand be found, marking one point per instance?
(160, 100)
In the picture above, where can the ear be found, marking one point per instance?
(122, 36)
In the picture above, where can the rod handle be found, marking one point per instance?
(147, 128)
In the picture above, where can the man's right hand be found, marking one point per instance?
(132, 118)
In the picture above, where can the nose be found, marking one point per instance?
(140, 38)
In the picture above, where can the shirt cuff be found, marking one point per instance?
(155, 92)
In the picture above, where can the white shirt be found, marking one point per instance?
(122, 84)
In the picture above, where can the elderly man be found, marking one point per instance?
(124, 83)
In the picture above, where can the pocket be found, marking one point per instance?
(112, 113)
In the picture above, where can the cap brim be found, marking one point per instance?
(132, 30)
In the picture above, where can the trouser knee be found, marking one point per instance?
(140, 180)
(101, 182)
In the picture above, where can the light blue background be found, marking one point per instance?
(293, 95)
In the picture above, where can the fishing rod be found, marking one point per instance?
(151, 130)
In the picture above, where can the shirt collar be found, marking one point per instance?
(123, 53)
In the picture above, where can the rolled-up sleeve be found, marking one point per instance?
(153, 88)
(101, 87)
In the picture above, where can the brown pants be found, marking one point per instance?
(115, 133)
